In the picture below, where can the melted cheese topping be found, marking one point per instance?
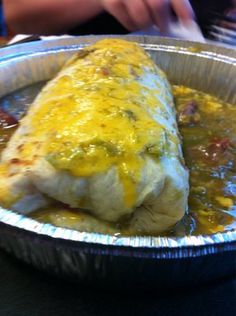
(7, 197)
(96, 114)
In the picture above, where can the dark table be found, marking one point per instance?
(25, 291)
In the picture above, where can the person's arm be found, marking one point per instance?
(136, 14)
(57, 16)
(48, 16)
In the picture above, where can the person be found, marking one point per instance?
(2, 21)
(114, 16)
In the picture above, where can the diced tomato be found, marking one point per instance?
(190, 108)
(189, 114)
(218, 147)
(217, 152)
(7, 120)
(106, 71)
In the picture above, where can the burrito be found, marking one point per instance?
(102, 137)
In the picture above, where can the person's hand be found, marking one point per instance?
(137, 14)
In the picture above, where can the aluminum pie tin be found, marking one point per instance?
(114, 261)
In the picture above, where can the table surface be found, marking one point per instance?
(25, 291)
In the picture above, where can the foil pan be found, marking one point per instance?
(112, 261)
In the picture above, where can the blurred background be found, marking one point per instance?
(216, 18)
